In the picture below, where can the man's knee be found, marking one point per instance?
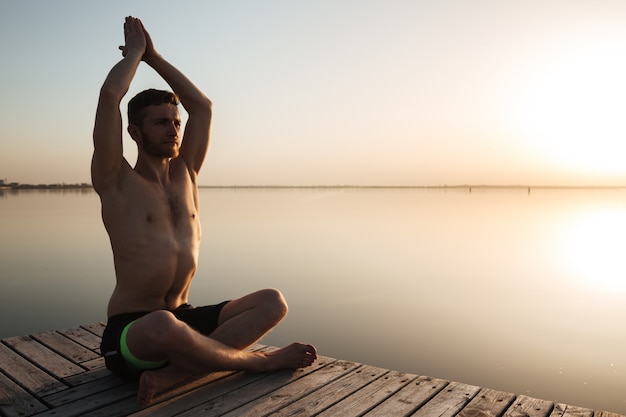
(163, 329)
(275, 303)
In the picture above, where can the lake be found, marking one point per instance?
(513, 289)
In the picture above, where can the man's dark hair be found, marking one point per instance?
(150, 97)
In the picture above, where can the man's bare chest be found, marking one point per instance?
(174, 209)
(143, 212)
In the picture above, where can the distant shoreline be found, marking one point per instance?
(63, 186)
(18, 186)
(437, 187)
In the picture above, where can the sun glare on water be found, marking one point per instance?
(573, 111)
(593, 249)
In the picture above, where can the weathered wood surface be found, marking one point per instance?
(61, 373)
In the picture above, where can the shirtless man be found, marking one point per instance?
(151, 215)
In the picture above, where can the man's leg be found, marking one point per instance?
(161, 336)
(245, 320)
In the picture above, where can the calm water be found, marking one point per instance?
(517, 291)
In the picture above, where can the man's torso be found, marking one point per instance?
(155, 236)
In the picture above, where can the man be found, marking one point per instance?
(151, 215)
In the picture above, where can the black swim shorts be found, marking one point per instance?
(202, 319)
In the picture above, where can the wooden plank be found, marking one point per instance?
(15, 401)
(28, 375)
(208, 398)
(87, 376)
(205, 400)
(333, 392)
(87, 405)
(606, 414)
(76, 393)
(529, 407)
(409, 398)
(129, 406)
(44, 357)
(84, 337)
(95, 328)
(449, 401)
(292, 392)
(93, 364)
(218, 405)
(564, 410)
(488, 403)
(370, 396)
(65, 347)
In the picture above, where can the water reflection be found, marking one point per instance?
(593, 248)
(499, 288)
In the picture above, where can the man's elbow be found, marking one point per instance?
(206, 104)
(200, 105)
(111, 93)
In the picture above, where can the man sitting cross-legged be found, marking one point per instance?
(151, 214)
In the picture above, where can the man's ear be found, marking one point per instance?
(134, 132)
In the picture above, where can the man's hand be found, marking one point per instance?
(150, 53)
(134, 37)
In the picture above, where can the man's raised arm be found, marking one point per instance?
(196, 137)
(108, 158)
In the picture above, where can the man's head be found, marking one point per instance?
(154, 122)
(137, 105)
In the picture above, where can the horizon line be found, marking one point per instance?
(412, 186)
(432, 186)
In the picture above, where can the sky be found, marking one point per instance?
(336, 92)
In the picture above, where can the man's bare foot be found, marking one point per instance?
(152, 382)
(296, 355)
(293, 356)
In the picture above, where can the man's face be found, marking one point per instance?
(160, 131)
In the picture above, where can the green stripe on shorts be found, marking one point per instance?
(137, 364)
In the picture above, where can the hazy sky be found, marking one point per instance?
(336, 91)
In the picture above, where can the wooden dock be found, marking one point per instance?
(60, 373)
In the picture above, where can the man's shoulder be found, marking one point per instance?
(110, 180)
(126, 182)
(180, 171)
